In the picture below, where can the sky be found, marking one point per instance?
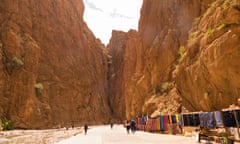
(103, 16)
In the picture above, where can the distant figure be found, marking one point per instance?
(85, 128)
(111, 125)
(133, 126)
(72, 124)
(128, 126)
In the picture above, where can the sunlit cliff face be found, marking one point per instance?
(53, 70)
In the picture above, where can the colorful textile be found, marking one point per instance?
(203, 120)
(177, 118)
(169, 128)
(174, 119)
(162, 123)
(180, 119)
(153, 125)
(195, 119)
(190, 120)
(150, 124)
(157, 123)
(228, 119)
(186, 120)
(144, 119)
(210, 121)
(207, 120)
(166, 121)
(218, 118)
(170, 119)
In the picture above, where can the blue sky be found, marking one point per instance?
(102, 16)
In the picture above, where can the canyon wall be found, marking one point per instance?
(171, 65)
(53, 69)
(126, 56)
(54, 72)
(208, 76)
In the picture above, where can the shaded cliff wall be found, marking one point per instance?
(124, 49)
(208, 75)
(53, 70)
(151, 56)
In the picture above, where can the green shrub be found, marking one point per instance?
(18, 62)
(209, 31)
(38, 88)
(157, 90)
(15, 63)
(222, 26)
(181, 53)
(234, 3)
(165, 86)
(226, 2)
(7, 124)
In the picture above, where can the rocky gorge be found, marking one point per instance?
(54, 72)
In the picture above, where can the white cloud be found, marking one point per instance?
(102, 16)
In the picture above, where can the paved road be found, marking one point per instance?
(118, 135)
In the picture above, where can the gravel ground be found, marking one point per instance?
(50, 136)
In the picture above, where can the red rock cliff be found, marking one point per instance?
(53, 70)
(151, 80)
(208, 77)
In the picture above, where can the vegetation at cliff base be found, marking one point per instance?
(7, 124)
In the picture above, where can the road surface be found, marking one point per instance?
(118, 135)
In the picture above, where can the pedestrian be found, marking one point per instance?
(128, 126)
(133, 126)
(72, 124)
(85, 128)
(111, 125)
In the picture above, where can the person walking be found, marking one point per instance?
(128, 126)
(133, 126)
(85, 128)
(111, 125)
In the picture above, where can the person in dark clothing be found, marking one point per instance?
(111, 125)
(128, 127)
(133, 126)
(85, 128)
(72, 124)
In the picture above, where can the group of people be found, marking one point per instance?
(131, 125)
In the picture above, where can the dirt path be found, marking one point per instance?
(95, 135)
(118, 135)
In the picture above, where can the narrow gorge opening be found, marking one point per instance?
(102, 18)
